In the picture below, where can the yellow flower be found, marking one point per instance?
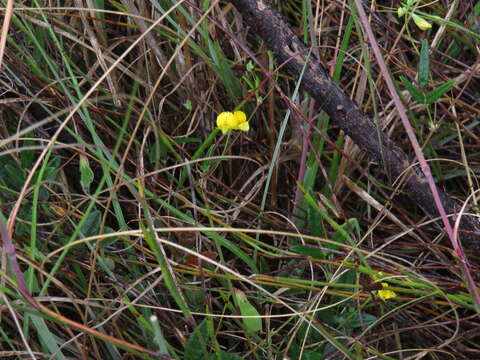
(386, 294)
(421, 22)
(237, 120)
(401, 11)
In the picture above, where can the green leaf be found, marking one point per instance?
(91, 225)
(424, 65)
(158, 337)
(86, 173)
(312, 355)
(196, 348)
(167, 272)
(348, 277)
(309, 251)
(48, 173)
(225, 356)
(104, 244)
(223, 67)
(250, 66)
(416, 94)
(27, 156)
(33, 286)
(438, 92)
(110, 263)
(327, 316)
(354, 319)
(14, 177)
(315, 222)
(188, 105)
(247, 309)
(48, 339)
(342, 236)
(299, 352)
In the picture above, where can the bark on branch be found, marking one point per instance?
(288, 49)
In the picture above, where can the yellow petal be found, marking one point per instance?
(244, 126)
(225, 121)
(386, 294)
(240, 117)
(421, 22)
(231, 121)
(222, 119)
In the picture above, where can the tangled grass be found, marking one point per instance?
(142, 231)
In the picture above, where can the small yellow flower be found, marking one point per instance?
(237, 120)
(386, 294)
(401, 11)
(421, 22)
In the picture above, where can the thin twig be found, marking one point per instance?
(5, 27)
